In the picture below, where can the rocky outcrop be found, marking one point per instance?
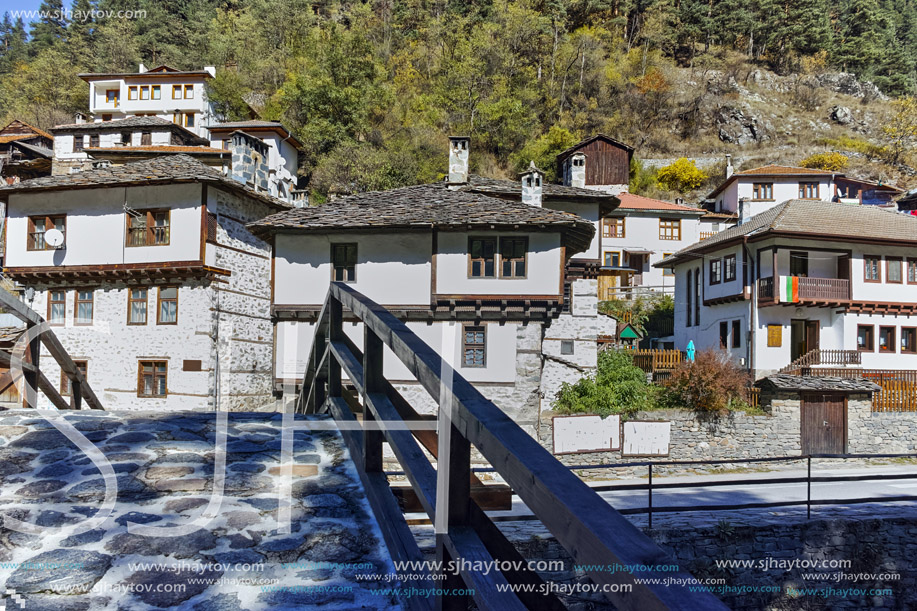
(740, 126)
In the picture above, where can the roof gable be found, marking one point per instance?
(629, 201)
(582, 143)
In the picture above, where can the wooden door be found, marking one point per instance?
(813, 329)
(823, 423)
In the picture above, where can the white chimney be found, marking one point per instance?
(210, 70)
(729, 169)
(744, 211)
(532, 180)
(577, 170)
(458, 159)
(79, 118)
(142, 68)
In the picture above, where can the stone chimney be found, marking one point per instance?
(79, 118)
(249, 161)
(458, 159)
(729, 169)
(744, 211)
(680, 201)
(577, 170)
(532, 180)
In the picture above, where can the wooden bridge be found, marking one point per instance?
(593, 532)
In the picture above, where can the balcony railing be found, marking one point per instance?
(809, 289)
(152, 236)
(842, 358)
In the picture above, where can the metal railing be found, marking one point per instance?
(582, 522)
(809, 502)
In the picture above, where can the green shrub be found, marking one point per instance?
(617, 387)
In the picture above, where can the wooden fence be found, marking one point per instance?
(899, 386)
(656, 361)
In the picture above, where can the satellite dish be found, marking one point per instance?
(54, 238)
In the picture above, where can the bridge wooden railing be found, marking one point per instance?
(30, 366)
(592, 531)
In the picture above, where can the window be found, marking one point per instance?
(155, 92)
(912, 271)
(148, 228)
(189, 119)
(667, 271)
(57, 307)
(886, 339)
(112, 96)
(909, 339)
(145, 93)
(167, 310)
(151, 379)
(512, 257)
(729, 268)
(65, 386)
(126, 139)
(94, 140)
(763, 190)
(688, 294)
(146, 139)
(893, 270)
(344, 262)
(669, 229)
(808, 190)
(566, 346)
(613, 259)
(799, 264)
(865, 339)
(132, 93)
(774, 336)
(737, 334)
(614, 227)
(724, 334)
(39, 225)
(474, 346)
(697, 293)
(176, 92)
(78, 142)
(872, 271)
(189, 92)
(716, 267)
(136, 306)
(82, 310)
(482, 255)
(106, 117)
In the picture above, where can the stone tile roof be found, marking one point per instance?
(629, 201)
(192, 150)
(426, 207)
(782, 381)
(802, 217)
(37, 131)
(165, 169)
(133, 123)
(244, 124)
(501, 187)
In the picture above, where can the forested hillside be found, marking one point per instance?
(372, 87)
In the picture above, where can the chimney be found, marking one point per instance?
(729, 169)
(577, 170)
(142, 68)
(458, 159)
(249, 161)
(79, 118)
(211, 70)
(680, 201)
(744, 211)
(532, 180)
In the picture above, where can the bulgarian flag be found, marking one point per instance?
(789, 289)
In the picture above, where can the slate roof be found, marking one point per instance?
(782, 381)
(629, 201)
(158, 148)
(133, 123)
(158, 71)
(511, 189)
(255, 124)
(36, 150)
(37, 131)
(425, 207)
(167, 169)
(802, 217)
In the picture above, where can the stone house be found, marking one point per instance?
(803, 276)
(461, 268)
(25, 152)
(150, 279)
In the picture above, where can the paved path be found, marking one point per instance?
(164, 467)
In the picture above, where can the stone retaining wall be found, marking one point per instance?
(740, 435)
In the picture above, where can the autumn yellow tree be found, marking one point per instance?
(901, 130)
(683, 175)
(830, 162)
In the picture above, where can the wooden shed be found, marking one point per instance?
(607, 160)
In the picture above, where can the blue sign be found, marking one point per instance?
(691, 350)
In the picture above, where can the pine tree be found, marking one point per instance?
(51, 30)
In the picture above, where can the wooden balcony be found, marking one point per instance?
(811, 291)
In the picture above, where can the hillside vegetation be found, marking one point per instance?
(373, 87)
